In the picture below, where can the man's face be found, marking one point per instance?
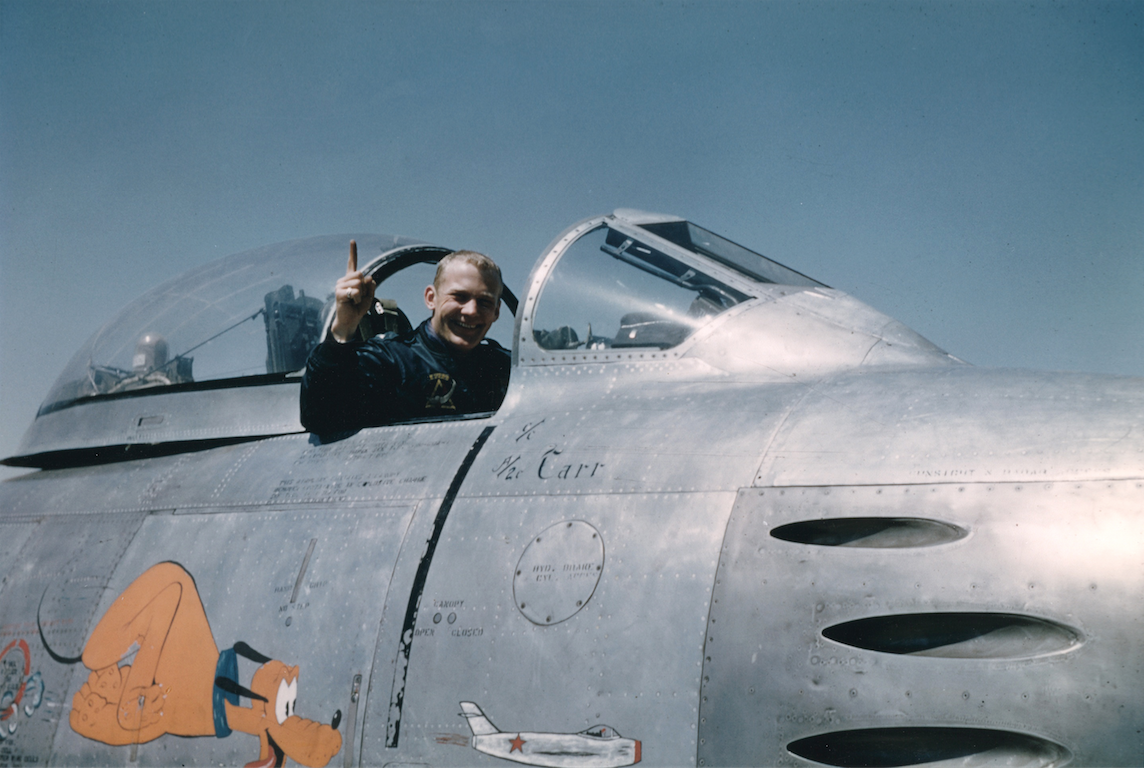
(464, 306)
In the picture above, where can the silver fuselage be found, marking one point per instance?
(802, 536)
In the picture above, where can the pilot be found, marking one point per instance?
(444, 366)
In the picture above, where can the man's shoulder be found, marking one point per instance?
(493, 352)
(493, 346)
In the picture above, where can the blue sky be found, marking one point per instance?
(974, 169)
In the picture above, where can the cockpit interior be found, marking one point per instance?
(254, 317)
(231, 338)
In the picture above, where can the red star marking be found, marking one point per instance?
(517, 743)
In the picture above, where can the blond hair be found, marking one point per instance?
(486, 266)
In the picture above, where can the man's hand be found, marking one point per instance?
(353, 297)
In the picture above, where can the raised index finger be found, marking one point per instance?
(352, 265)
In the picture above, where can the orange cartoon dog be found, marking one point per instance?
(179, 682)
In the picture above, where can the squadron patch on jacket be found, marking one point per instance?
(441, 388)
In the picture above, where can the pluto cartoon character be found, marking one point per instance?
(179, 682)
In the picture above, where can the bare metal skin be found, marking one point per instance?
(717, 521)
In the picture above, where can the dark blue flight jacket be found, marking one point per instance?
(397, 377)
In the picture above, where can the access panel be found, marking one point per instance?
(56, 571)
(553, 631)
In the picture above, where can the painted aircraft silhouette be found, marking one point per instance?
(599, 746)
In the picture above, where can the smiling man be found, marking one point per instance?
(444, 366)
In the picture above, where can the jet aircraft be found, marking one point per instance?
(739, 514)
(599, 746)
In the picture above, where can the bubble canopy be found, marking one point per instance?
(255, 314)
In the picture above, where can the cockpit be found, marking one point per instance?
(216, 354)
(253, 318)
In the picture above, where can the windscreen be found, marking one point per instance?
(611, 291)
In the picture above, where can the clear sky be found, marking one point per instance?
(974, 169)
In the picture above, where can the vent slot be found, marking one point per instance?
(885, 747)
(870, 532)
(957, 635)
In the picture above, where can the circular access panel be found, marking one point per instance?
(558, 572)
